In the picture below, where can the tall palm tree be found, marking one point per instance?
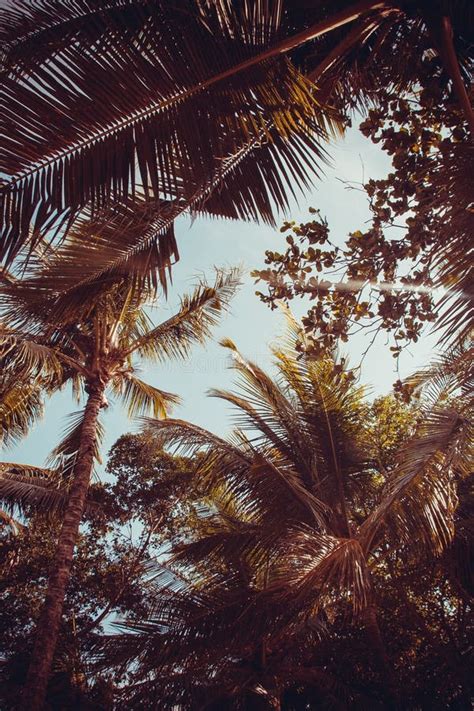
(287, 544)
(211, 105)
(91, 337)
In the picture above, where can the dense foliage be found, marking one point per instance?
(266, 600)
(413, 264)
(142, 506)
(322, 568)
(320, 556)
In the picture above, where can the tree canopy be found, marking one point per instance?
(318, 553)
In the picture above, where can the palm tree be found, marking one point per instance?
(90, 336)
(186, 100)
(287, 546)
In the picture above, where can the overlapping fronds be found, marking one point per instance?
(210, 618)
(29, 369)
(163, 117)
(451, 198)
(134, 239)
(319, 567)
(274, 559)
(23, 486)
(215, 621)
(28, 357)
(419, 502)
(199, 104)
(420, 498)
(447, 377)
(237, 477)
(310, 415)
(94, 260)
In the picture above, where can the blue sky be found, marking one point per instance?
(250, 324)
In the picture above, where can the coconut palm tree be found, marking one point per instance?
(91, 337)
(288, 543)
(209, 105)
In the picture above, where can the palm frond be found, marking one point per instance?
(140, 398)
(453, 260)
(198, 313)
(189, 439)
(23, 487)
(63, 457)
(262, 406)
(317, 564)
(134, 239)
(310, 415)
(420, 498)
(28, 357)
(234, 477)
(21, 405)
(449, 376)
(168, 102)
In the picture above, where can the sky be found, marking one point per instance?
(206, 243)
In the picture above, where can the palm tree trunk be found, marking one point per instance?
(452, 66)
(441, 31)
(47, 630)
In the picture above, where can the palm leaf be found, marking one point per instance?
(27, 356)
(63, 457)
(190, 439)
(21, 405)
(157, 98)
(140, 398)
(420, 498)
(311, 416)
(23, 486)
(198, 313)
(316, 565)
(153, 107)
(134, 239)
(449, 376)
(244, 488)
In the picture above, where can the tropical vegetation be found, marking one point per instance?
(88, 337)
(317, 554)
(317, 510)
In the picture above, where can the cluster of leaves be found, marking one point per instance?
(267, 597)
(378, 279)
(25, 560)
(157, 486)
(329, 526)
(147, 501)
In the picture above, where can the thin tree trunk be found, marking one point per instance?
(379, 651)
(452, 66)
(47, 630)
(442, 34)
